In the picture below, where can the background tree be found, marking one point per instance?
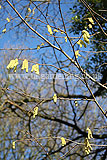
(54, 112)
(96, 64)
